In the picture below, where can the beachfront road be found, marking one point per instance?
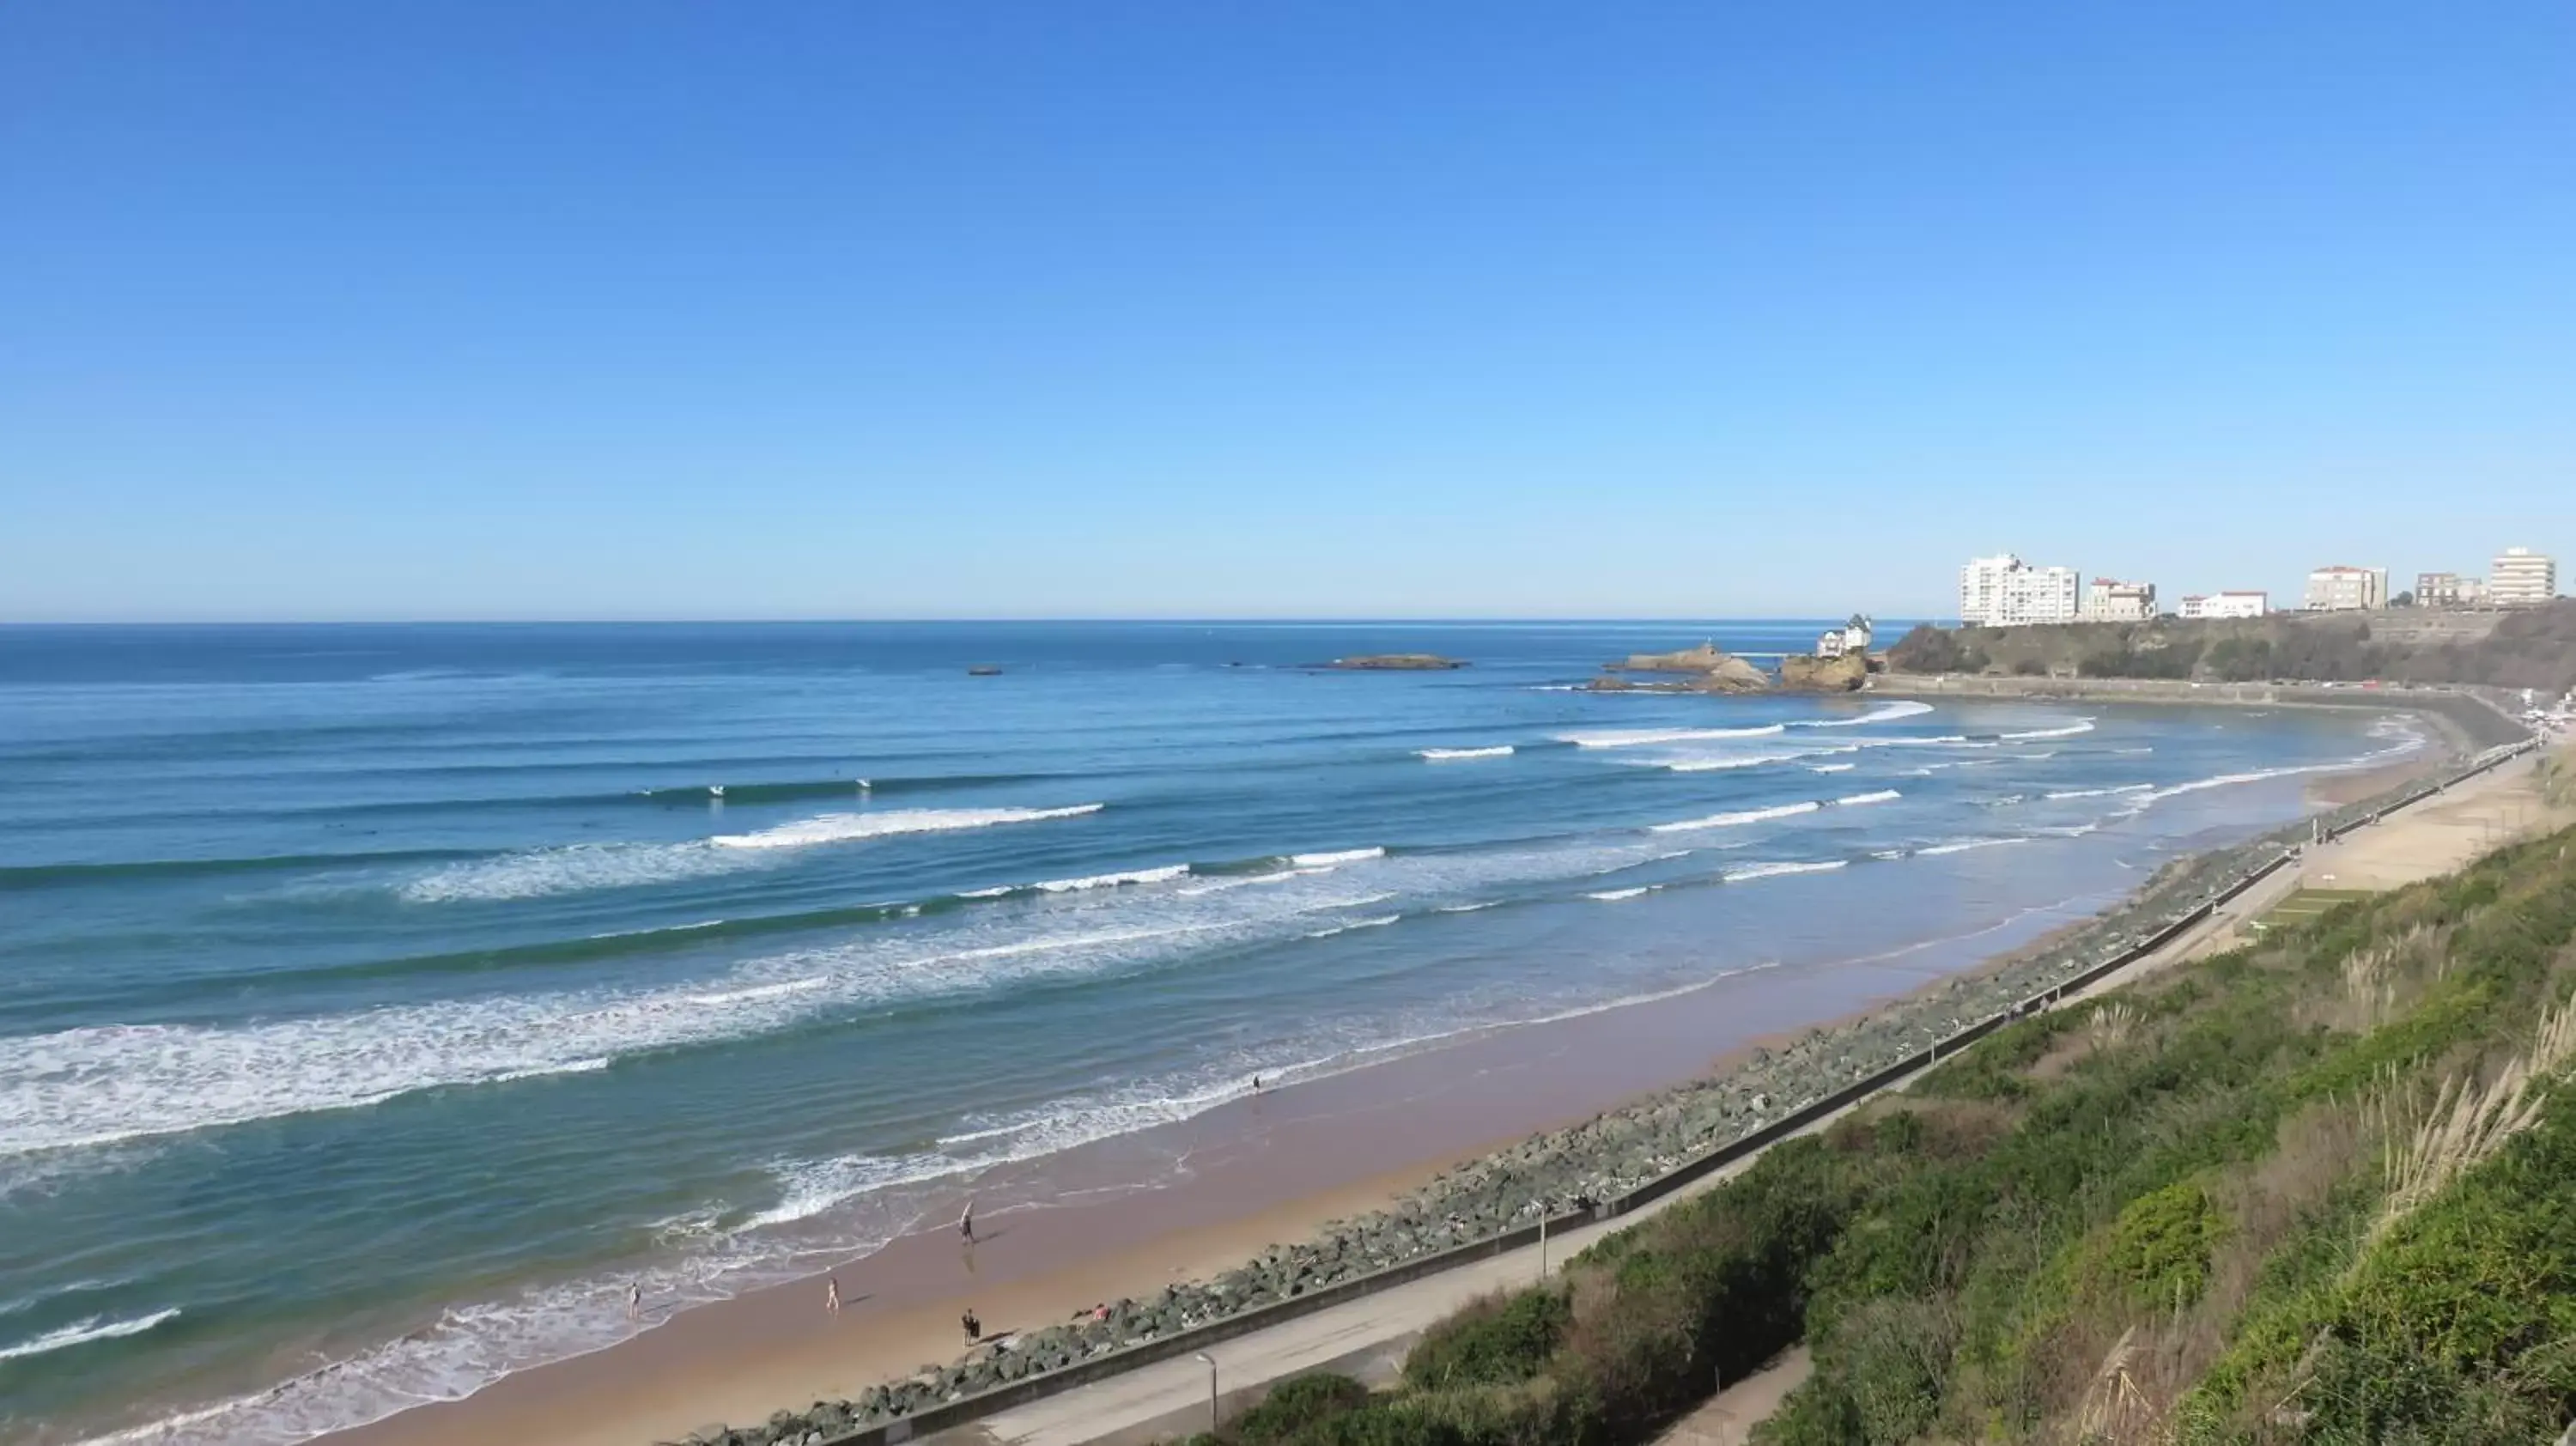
(1368, 1337)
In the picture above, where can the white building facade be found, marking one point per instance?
(2522, 578)
(2341, 589)
(2005, 592)
(2240, 604)
(2110, 601)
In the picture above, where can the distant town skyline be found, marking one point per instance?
(577, 311)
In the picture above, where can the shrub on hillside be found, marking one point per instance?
(1498, 1341)
(1298, 1403)
(1927, 649)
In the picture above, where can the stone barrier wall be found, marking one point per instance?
(2253, 863)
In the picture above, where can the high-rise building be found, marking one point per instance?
(2109, 601)
(2346, 589)
(2522, 578)
(2005, 592)
(2240, 604)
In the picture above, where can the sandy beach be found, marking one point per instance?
(1124, 1217)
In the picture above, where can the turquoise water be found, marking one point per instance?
(376, 1002)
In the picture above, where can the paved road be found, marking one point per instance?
(1171, 1397)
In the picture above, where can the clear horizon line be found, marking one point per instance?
(1175, 619)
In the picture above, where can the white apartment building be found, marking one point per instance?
(2238, 604)
(2522, 578)
(2110, 601)
(2347, 589)
(2005, 592)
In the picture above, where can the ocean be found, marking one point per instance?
(378, 1002)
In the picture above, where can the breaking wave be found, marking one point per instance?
(1730, 820)
(575, 867)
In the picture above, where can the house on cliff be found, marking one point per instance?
(1851, 637)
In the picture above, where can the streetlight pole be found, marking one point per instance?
(1542, 1240)
(1209, 1361)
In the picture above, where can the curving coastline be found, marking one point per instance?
(1656, 1138)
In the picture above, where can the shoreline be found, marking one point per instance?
(1038, 1264)
(1172, 1255)
(2467, 719)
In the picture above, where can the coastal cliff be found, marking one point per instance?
(2528, 648)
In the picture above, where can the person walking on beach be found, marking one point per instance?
(634, 1299)
(974, 1328)
(966, 1223)
(832, 1294)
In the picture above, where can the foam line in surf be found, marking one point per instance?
(81, 1333)
(1642, 737)
(1883, 713)
(1743, 816)
(1333, 858)
(2080, 725)
(1750, 872)
(844, 827)
(1459, 755)
(571, 868)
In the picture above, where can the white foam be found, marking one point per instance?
(1883, 713)
(1856, 800)
(1730, 820)
(572, 868)
(1772, 871)
(96, 1328)
(2080, 725)
(1446, 755)
(1641, 737)
(1713, 765)
(97, 1085)
(1330, 859)
(1831, 767)
(1163, 875)
(1380, 922)
(2408, 741)
(2101, 792)
(1467, 908)
(995, 892)
(1963, 845)
(843, 827)
(1612, 896)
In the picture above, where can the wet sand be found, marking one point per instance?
(1124, 1217)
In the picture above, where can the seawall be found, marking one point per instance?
(1880, 1052)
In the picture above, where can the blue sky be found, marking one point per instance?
(874, 309)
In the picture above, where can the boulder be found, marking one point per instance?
(1824, 675)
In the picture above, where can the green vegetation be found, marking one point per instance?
(2527, 648)
(2315, 1189)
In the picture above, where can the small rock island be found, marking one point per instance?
(1839, 664)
